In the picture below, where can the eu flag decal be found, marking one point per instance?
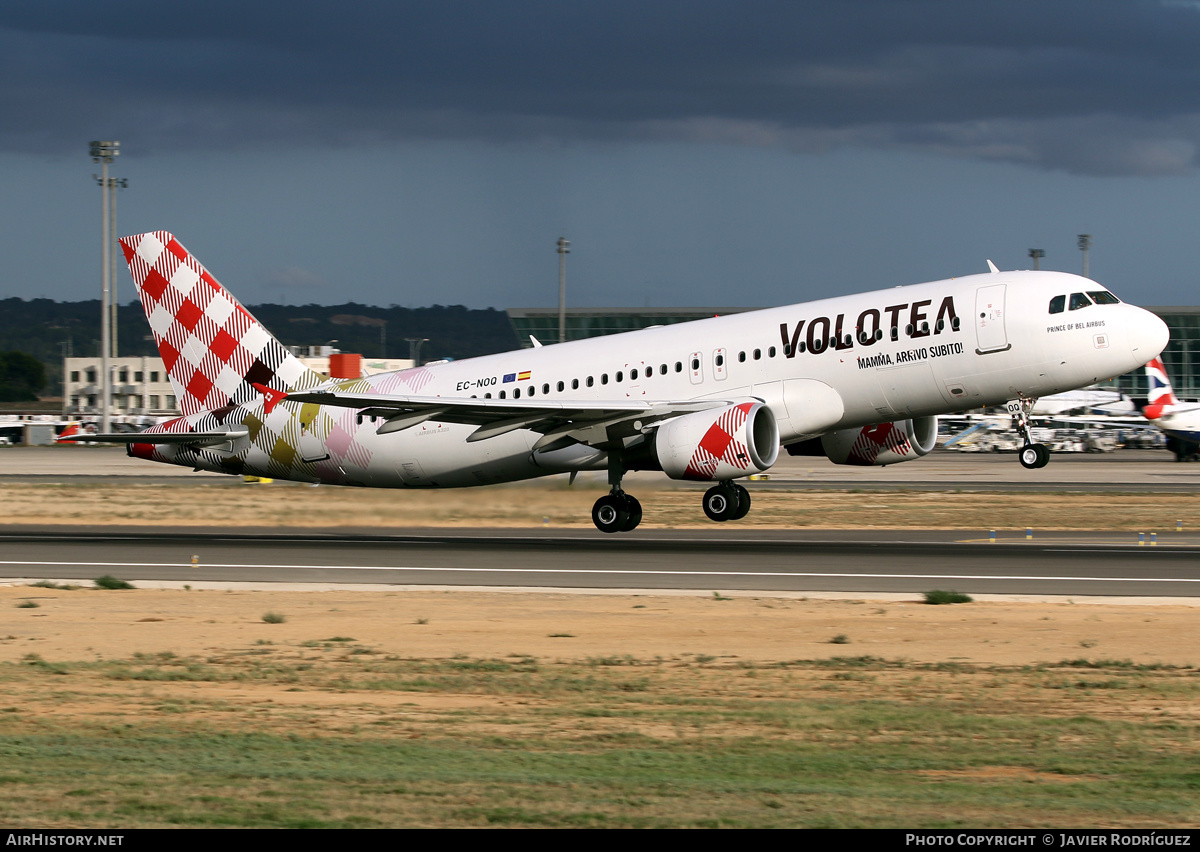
(509, 377)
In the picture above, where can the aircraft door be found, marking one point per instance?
(989, 319)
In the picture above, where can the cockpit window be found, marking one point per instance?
(1103, 297)
(1078, 300)
(1058, 304)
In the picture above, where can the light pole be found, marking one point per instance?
(1037, 255)
(564, 248)
(1085, 243)
(104, 153)
(414, 349)
(113, 185)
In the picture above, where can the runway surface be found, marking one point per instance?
(1143, 471)
(718, 559)
(769, 561)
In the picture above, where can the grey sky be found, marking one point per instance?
(694, 152)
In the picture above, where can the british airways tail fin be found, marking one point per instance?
(1160, 396)
(215, 352)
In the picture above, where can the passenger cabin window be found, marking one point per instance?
(575, 384)
(1103, 297)
(1078, 300)
(1058, 304)
(633, 375)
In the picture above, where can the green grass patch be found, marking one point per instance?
(940, 596)
(851, 742)
(110, 582)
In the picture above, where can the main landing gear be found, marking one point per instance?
(1032, 455)
(617, 511)
(726, 502)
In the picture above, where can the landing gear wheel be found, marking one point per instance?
(610, 513)
(635, 513)
(743, 503)
(1034, 456)
(721, 502)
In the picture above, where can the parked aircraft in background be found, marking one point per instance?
(860, 379)
(1179, 420)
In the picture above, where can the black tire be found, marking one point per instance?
(635, 513)
(720, 503)
(1043, 455)
(743, 508)
(610, 513)
(1030, 456)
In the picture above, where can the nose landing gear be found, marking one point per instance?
(1032, 455)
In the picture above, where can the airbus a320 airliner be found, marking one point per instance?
(860, 379)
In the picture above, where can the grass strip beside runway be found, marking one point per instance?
(332, 733)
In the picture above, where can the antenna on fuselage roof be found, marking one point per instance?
(537, 344)
(992, 267)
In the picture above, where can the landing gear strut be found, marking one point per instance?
(726, 502)
(616, 511)
(1031, 455)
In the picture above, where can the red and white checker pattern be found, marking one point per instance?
(213, 349)
(874, 440)
(719, 445)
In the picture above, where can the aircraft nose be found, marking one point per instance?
(1147, 334)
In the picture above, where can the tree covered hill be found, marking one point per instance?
(47, 329)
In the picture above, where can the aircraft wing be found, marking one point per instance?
(580, 421)
(201, 439)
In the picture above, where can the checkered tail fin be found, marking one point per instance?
(215, 352)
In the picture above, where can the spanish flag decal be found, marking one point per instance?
(525, 375)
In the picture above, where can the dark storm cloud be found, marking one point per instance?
(1091, 87)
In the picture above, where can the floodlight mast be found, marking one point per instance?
(564, 248)
(104, 153)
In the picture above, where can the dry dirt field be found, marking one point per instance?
(411, 707)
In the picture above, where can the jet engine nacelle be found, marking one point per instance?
(880, 444)
(719, 444)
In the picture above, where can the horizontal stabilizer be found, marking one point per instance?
(200, 439)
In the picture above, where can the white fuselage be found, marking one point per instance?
(959, 344)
